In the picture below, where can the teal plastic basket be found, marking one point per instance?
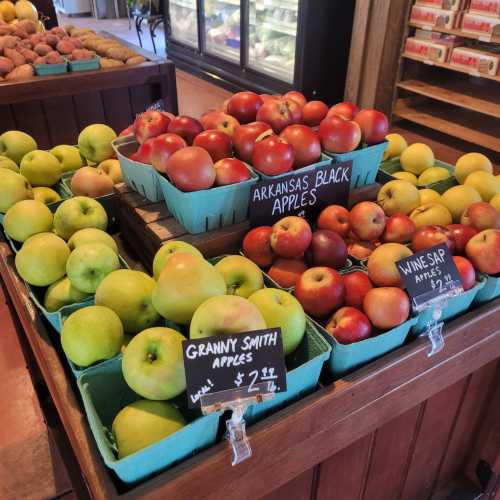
(51, 69)
(85, 65)
(365, 163)
(104, 393)
(389, 167)
(139, 176)
(324, 161)
(303, 370)
(201, 211)
(490, 290)
(456, 305)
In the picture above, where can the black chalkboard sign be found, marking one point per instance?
(429, 274)
(253, 361)
(305, 192)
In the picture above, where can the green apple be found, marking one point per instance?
(89, 264)
(186, 282)
(42, 259)
(433, 174)
(226, 314)
(6, 162)
(45, 194)
(62, 293)
(431, 214)
(94, 142)
(92, 235)
(241, 275)
(69, 157)
(153, 364)
(458, 198)
(167, 250)
(92, 334)
(13, 188)
(111, 168)
(128, 293)
(26, 218)
(282, 309)
(41, 168)
(15, 144)
(77, 213)
(144, 423)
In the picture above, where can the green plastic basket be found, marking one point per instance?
(324, 161)
(365, 163)
(490, 290)
(51, 69)
(456, 305)
(104, 393)
(85, 65)
(139, 176)
(389, 167)
(200, 211)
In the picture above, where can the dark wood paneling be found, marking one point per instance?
(301, 488)
(117, 108)
(89, 109)
(30, 118)
(61, 120)
(141, 98)
(6, 119)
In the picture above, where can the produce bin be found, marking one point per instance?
(139, 176)
(389, 167)
(324, 161)
(365, 163)
(51, 69)
(85, 65)
(490, 290)
(104, 393)
(200, 211)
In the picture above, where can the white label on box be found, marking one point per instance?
(485, 38)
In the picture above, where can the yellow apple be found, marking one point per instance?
(13, 188)
(405, 176)
(167, 250)
(94, 142)
(14, 144)
(45, 194)
(398, 197)
(495, 202)
(113, 169)
(417, 158)
(471, 162)
(486, 184)
(41, 168)
(6, 162)
(458, 198)
(429, 196)
(26, 10)
(382, 269)
(26, 218)
(62, 293)
(397, 144)
(242, 276)
(69, 157)
(430, 215)
(433, 174)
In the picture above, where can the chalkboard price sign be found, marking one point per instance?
(253, 361)
(305, 192)
(429, 275)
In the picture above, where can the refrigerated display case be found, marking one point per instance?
(269, 46)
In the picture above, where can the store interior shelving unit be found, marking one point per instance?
(448, 99)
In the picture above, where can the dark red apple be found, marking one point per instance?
(257, 246)
(305, 143)
(218, 144)
(349, 325)
(296, 96)
(185, 126)
(338, 135)
(461, 234)
(279, 113)
(191, 169)
(273, 156)
(357, 285)
(327, 249)
(346, 110)
(163, 147)
(244, 106)
(230, 171)
(374, 125)
(466, 271)
(244, 138)
(430, 236)
(150, 124)
(314, 112)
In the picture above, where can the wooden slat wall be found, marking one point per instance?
(415, 454)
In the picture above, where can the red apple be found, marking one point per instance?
(273, 156)
(360, 250)
(217, 120)
(466, 271)
(145, 152)
(399, 228)
(279, 113)
(257, 246)
(320, 290)
(430, 236)
(150, 124)
(327, 249)
(386, 307)
(169, 115)
(230, 171)
(357, 285)
(374, 125)
(217, 143)
(346, 110)
(163, 147)
(185, 126)
(88, 181)
(338, 135)
(367, 220)
(127, 131)
(483, 250)
(191, 169)
(481, 216)
(349, 325)
(460, 235)
(305, 143)
(314, 112)
(244, 106)
(335, 218)
(291, 237)
(296, 96)
(244, 138)
(286, 272)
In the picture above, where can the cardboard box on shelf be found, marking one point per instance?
(426, 49)
(430, 17)
(477, 61)
(474, 23)
(442, 4)
(485, 7)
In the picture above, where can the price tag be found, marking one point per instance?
(429, 62)
(301, 193)
(231, 367)
(429, 276)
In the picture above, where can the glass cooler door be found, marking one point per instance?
(272, 37)
(222, 29)
(184, 22)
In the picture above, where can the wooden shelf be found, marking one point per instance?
(458, 93)
(472, 36)
(453, 121)
(453, 68)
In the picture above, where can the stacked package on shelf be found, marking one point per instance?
(476, 61)
(432, 45)
(482, 18)
(429, 16)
